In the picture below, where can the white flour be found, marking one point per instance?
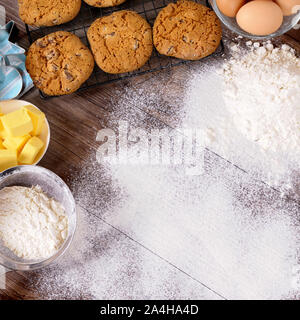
(259, 127)
(103, 263)
(262, 92)
(223, 229)
(31, 225)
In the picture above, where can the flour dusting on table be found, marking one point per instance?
(223, 229)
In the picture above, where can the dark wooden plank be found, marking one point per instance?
(295, 34)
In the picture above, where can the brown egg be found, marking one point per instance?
(260, 17)
(288, 7)
(230, 7)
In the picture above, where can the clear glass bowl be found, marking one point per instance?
(54, 187)
(288, 23)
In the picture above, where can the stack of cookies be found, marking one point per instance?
(121, 42)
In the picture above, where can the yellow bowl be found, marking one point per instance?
(13, 105)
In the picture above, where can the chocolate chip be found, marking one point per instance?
(54, 67)
(68, 75)
(51, 40)
(110, 34)
(41, 44)
(51, 54)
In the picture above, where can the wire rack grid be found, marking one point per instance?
(79, 26)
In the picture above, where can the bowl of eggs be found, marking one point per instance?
(258, 19)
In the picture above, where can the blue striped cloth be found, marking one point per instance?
(14, 79)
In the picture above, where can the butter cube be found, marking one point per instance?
(1, 145)
(3, 133)
(16, 143)
(17, 123)
(8, 159)
(37, 118)
(31, 150)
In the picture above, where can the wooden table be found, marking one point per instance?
(75, 121)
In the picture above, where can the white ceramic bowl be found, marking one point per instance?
(13, 105)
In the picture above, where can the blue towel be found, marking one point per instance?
(14, 79)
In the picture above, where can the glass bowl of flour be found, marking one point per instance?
(37, 217)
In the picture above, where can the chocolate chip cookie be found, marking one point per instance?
(59, 63)
(104, 3)
(187, 30)
(48, 12)
(121, 42)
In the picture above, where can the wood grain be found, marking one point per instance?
(75, 121)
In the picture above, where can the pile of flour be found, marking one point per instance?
(32, 225)
(249, 106)
(262, 93)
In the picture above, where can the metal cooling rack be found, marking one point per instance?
(79, 26)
